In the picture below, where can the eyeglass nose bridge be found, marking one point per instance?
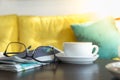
(28, 49)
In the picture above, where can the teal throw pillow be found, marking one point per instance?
(102, 33)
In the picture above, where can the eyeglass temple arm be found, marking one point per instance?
(8, 46)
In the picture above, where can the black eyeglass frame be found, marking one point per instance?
(5, 52)
(27, 51)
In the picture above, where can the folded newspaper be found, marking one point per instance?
(17, 64)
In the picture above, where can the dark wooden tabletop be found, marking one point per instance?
(63, 71)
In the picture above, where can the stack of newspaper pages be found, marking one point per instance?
(17, 64)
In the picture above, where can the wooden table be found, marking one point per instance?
(63, 71)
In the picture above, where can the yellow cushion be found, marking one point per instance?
(48, 30)
(8, 31)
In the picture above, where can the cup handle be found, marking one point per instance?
(96, 50)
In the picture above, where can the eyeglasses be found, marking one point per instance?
(25, 52)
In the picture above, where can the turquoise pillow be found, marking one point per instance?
(102, 33)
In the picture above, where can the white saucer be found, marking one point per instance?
(114, 68)
(76, 60)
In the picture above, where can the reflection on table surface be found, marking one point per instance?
(63, 71)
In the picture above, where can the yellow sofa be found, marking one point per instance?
(38, 30)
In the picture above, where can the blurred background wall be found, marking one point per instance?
(60, 7)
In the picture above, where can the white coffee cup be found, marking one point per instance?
(80, 49)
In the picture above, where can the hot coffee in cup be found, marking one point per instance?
(80, 49)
